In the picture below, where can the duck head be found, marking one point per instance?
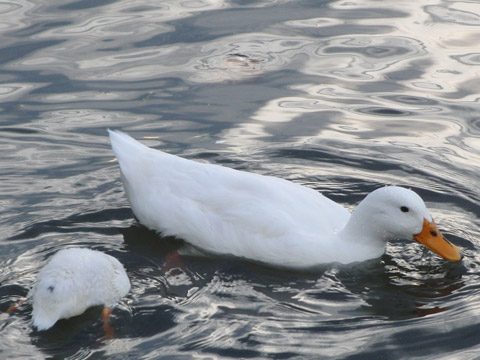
(394, 212)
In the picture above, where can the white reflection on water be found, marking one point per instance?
(441, 54)
(14, 91)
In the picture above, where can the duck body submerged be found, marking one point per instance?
(73, 280)
(263, 218)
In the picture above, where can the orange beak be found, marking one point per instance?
(431, 237)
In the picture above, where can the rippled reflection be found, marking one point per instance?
(341, 96)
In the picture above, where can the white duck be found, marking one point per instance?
(264, 218)
(72, 281)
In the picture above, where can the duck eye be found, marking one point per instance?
(404, 209)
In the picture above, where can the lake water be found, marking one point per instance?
(341, 96)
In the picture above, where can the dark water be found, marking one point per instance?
(341, 96)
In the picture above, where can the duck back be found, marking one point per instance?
(227, 211)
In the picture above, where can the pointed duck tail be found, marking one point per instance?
(126, 148)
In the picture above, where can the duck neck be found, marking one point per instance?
(362, 233)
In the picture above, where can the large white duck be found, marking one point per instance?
(72, 281)
(264, 218)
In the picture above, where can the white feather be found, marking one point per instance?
(73, 280)
(263, 218)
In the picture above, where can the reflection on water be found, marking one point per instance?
(340, 96)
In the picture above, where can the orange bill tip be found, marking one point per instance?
(431, 237)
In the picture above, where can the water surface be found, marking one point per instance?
(340, 96)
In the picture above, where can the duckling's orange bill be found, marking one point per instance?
(431, 237)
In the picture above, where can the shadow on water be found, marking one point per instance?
(395, 290)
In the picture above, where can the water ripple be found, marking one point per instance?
(343, 97)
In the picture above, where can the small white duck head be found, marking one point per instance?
(51, 301)
(394, 212)
(73, 280)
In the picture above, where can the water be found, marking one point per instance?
(341, 96)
